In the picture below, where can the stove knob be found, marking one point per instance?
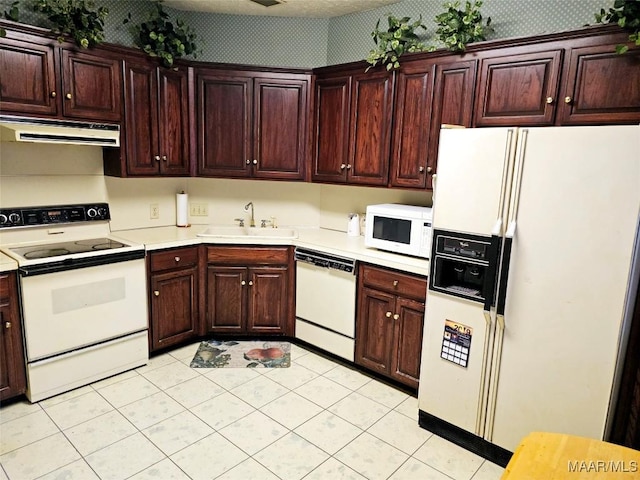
(3, 219)
(14, 218)
(92, 212)
(102, 212)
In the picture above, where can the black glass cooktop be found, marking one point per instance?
(47, 250)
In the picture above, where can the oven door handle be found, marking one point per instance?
(75, 263)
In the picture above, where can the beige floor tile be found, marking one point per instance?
(208, 458)
(157, 362)
(259, 391)
(114, 379)
(177, 432)
(222, 410)
(291, 410)
(383, 394)
(413, 469)
(347, 377)
(323, 391)
(292, 457)
(328, 431)
(78, 470)
(186, 352)
(50, 402)
(100, 432)
(230, 378)
(334, 470)
(17, 410)
(291, 377)
(195, 391)
(78, 409)
(151, 410)
(488, 471)
(128, 391)
(448, 458)
(359, 410)
(253, 432)
(248, 470)
(51, 453)
(25, 430)
(400, 431)
(163, 470)
(409, 407)
(371, 457)
(316, 363)
(170, 375)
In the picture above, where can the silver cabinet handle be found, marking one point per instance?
(255, 162)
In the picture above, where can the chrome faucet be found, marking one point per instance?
(246, 209)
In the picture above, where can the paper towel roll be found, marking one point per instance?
(182, 209)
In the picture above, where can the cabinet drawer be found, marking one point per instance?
(175, 258)
(394, 282)
(248, 255)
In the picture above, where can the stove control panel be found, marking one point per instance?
(57, 214)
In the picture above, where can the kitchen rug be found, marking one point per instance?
(242, 354)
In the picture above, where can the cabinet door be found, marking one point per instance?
(331, 129)
(280, 129)
(173, 121)
(374, 330)
(224, 126)
(226, 298)
(12, 369)
(601, 86)
(28, 83)
(519, 89)
(370, 128)
(141, 119)
(410, 144)
(452, 104)
(91, 86)
(174, 307)
(268, 300)
(407, 339)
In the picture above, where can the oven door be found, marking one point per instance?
(70, 309)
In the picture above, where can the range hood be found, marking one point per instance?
(42, 130)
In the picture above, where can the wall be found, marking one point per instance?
(314, 42)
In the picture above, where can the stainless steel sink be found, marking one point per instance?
(216, 231)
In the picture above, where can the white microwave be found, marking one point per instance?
(404, 229)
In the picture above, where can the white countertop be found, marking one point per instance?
(7, 263)
(329, 241)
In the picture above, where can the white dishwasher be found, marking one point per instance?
(326, 301)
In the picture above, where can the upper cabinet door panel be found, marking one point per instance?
(370, 131)
(224, 126)
(173, 121)
(141, 121)
(414, 87)
(331, 129)
(602, 86)
(91, 86)
(280, 126)
(518, 89)
(28, 79)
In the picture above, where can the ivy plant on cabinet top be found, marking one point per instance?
(457, 28)
(76, 18)
(626, 13)
(159, 37)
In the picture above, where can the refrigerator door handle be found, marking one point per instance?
(490, 281)
(506, 166)
(504, 272)
(517, 184)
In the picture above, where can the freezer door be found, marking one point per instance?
(473, 177)
(568, 275)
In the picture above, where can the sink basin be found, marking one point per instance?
(244, 232)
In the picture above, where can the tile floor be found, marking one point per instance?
(316, 420)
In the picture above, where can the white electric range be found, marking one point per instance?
(83, 295)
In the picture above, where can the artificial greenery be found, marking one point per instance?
(13, 14)
(76, 18)
(399, 38)
(159, 37)
(626, 13)
(457, 28)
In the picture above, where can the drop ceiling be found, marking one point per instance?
(286, 8)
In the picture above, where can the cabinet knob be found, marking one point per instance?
(421, 169)
(568, 100)
(53, 94)
(156, 293)
(68, 95)
(243, 283)
(250, 283)
(395, 283)
(7, 324)
(388, 314)
(549, 100)
(429, 169)
(343, 166)
(157, 158)
(349, 167)
(164, 158)
(248, 162)
(177, 259)
(255, 162)
(396, 316)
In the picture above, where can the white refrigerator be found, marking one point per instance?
(534, 270)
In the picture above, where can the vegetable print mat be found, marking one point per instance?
(242, 354)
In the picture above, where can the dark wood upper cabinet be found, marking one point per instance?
(352, 127)
(518, 89)
(412, 122)
(252, 125)
(155, 133)
(601, 86)
(51, 80)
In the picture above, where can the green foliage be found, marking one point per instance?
(76, 18)
(457, 28)
(13, 14)
(399, 38)
(626, 13)
(159, 37)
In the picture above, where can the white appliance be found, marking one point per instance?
(533, 274)
(404, 229)
(326, 301)
(82, 292)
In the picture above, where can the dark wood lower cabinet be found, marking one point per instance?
(174, 297)
(250, 290)
(389, 323)
(12, 368)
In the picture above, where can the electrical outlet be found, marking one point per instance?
(154, 211)
(199, 209)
